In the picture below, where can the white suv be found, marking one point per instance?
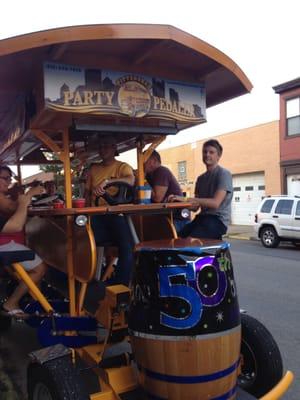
(278, 218)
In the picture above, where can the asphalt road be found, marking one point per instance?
(268, 282)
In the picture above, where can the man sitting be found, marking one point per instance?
(164, 184)
(111, 228)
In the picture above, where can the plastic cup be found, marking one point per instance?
(78, 203)
(58, 204)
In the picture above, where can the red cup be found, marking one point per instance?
(78, 203)
(58, 204)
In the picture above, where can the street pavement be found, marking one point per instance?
(243, 232)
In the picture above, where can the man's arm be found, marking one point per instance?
(101, 188)
(213, 202)
(159, 193)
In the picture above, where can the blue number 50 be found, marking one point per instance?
(185, 292)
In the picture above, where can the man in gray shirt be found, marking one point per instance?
(213, 194)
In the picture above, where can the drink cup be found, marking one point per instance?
(58, 204)
(78, 203)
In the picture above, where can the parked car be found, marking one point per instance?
(278, 219)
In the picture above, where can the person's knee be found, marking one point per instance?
(40, 270)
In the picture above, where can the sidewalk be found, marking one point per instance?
(244, 232)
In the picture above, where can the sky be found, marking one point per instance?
(261, 36)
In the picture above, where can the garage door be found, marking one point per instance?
(248, 190)
(293, 185)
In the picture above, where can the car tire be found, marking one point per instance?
(261, 367)
(269, 237)
(57, 379)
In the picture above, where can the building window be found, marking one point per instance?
(249, 188)
(293, 116)
(237, 189)
(181, 170)
(261, 187)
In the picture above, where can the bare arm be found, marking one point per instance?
(100, 189)
(17, 221)
(7, 205)
(213, 202)
(159, 193)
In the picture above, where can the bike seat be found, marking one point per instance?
(10, 257)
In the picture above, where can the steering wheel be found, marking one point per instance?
(124, 195)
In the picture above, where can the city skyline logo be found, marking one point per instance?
(101, 92)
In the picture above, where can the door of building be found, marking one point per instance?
(293, 185)
(248, 191)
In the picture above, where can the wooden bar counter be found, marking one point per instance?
(47, 232)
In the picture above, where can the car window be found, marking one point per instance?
(266, 207)
(284, 207)
(298, 209)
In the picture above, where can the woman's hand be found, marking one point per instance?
(24, 200)
(35, 191)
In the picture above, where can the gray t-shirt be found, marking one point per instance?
(206, 186)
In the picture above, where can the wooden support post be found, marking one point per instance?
(70, 221)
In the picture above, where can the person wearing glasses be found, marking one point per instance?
(13, 214)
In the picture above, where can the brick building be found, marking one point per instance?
(289, 128)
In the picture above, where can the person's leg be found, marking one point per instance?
(180, 224)
(36, 275)
(35, 268)
(207, 227)
(100, 227)
(122, 237)
(186, 230)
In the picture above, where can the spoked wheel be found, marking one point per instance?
(261, 360)
(55, 380)
(269, 237)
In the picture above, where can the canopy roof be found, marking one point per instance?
(155, 50)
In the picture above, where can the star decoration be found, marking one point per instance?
(220, 316)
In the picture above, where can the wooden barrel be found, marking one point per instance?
(184, 320)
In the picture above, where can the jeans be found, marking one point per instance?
(204, 227)
(180, 224)
(114, 230)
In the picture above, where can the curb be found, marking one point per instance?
(240, 236)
